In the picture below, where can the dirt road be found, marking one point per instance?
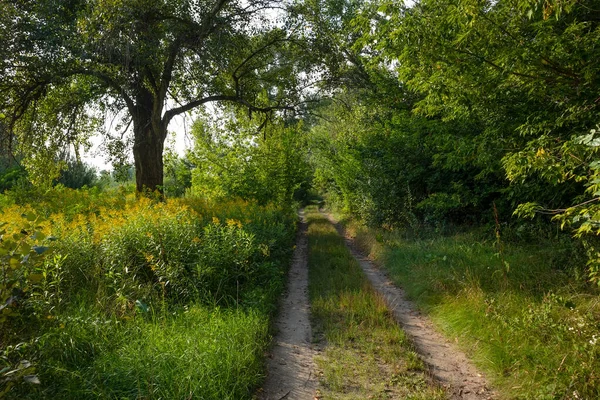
(291, 370)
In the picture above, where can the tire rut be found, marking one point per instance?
(291, 369)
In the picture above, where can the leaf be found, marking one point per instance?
(32, 379)
(35, 278)
(9, 385)
(38, 235)
(40, 249)
(25, 249)
(141, 306)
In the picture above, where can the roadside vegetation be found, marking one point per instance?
(463, 136)
(364, 354)
(514, 306)
(109, 296)
(465, 140)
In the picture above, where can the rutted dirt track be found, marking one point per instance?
(291, 370)
(290, 365)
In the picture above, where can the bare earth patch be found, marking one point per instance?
(291, 369)
(447, 364)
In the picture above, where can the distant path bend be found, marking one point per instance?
(448, 365)
(291, 369)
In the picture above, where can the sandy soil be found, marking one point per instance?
(291, 370)
(448, 365)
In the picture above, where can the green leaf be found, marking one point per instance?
(38, 235)
(141, 306)
(25, 249)
(35, 278)
(40, 249)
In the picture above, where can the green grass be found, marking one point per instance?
(193, 353)
(365, 354)
(138, 299)
(532, 327)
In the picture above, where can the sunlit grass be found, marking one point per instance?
(139, 299)
(193, 353)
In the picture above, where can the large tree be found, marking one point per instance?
(67, 63)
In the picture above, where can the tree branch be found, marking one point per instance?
(256, 52)
(485, 60)
(167, 73)
(234, 99)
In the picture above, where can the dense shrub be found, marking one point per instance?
(117, 264)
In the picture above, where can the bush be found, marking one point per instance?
(122, 267)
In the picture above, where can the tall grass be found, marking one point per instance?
(138, 298)
(194, 353)
(517, 308)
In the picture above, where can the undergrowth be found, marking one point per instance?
(109, 296)
(365, 354)
(517, 308)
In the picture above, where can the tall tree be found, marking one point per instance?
(528, 71)
(150, 60)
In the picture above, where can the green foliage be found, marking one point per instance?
(525, 73)
(77, 175)
(22, 278)
(226, 259)
(533, 327)
(236, 156)
(21, 257)
(178, 174)
(138, 279)
(195, 351)
(72, 65)
(393, 168)
(12, 176)
(449, 107)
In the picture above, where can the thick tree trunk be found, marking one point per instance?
(149, 134)
(149, 140)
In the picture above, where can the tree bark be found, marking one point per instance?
(148, 146)
(149, 134)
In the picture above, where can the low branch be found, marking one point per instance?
(234, 99)
(557, 211)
